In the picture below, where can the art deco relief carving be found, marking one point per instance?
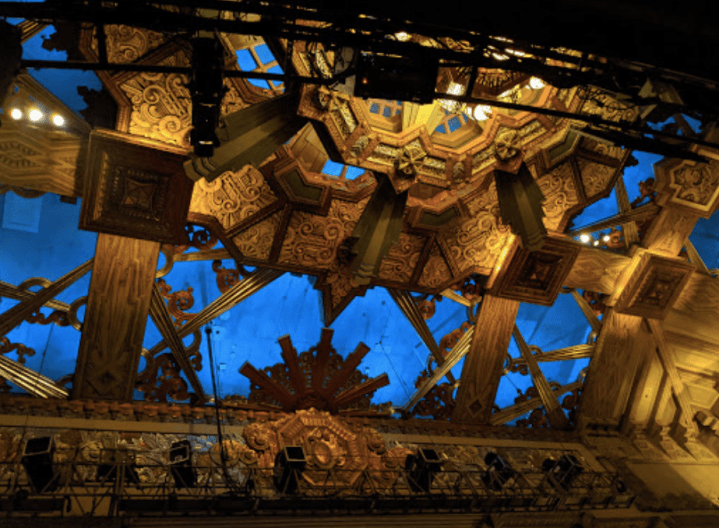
(233, 197)
(595, 176)
(127, 44)
(560, 195)
(436, 270)
(312, 240)
(256, 241)
(402, 258)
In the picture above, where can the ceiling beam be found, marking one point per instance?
(458, 352)
(235, 295)
(409, 308)
(556, 416)
(560, 354)
(123, 279)
(519, 409)
(18, 313)
(482, 369)
(29, 380)
(667, 357)
(164, 323)
(588, 311)
(14, 292)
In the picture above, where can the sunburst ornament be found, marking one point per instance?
(410, 160)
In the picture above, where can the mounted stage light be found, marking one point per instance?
(289, 465)
(183, 473)
(37, 461)
(207, 91)
(563, 471)
(498, 472)
(396, 78)
(421, 469)
(10, 44)
(111, 459)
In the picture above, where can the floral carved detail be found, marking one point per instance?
(21, 350)
(328, 443)
(178, 302)
(436, 270)
(507, 145)
(317, 378)
(233, 197)
(410, 160)
(470, 288)
(126, 44)
(697, 184)
(312, 240)
(560, 195)
(402, 258)
(595, 176)
(161, 377)
(646, 190)
(478, 242)
(256, 241)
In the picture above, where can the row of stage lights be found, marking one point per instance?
(588, 239)
(35, 116)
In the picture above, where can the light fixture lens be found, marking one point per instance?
(402, 36)
(606, 238)
(535, 83)
(584, 239)
(596, 242)
(481, 112)
(35, 115)
(58, 120)
(16, 114)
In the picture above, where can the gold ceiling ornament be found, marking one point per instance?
(410, 160)
(507, 145)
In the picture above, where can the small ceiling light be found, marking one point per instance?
(585, 239)
(58, 120)
(535, 83)
(35, 115)
(596, 242)
(606, 238)
(482, 112)
(16, 113)
(499, 57)
(516, 53)
(402, 36)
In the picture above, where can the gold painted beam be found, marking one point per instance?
(482, 369)
(29, 380)
(556, 416)
(122, 282)
(18, 313)
(596, 270)
(560, 354)
(634, 215)
(451, 295)
(587, 310)
(695, 258)
(238, 293)
(13, 292)
(195, 256)
(409, 308)
(458, 352)
(629, 229)
(164, 323)
(518, 409)
(622, 346)
(667, 357)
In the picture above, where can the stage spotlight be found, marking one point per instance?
(289, 465)
(421, 469)
(16, 114)
(58, 120)
(498, 472)
(207, 91)
(35, 115)
(183, 473)
(564, 471)
(37, 461)
(110, 459)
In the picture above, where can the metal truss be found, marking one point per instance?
(86, 488)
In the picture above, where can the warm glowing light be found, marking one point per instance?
(606, 238)
(535, 83)
(499, 57)
(402, 36)
(596, 242)
(58, 120)
(16, 114)
(35, 115)
(482, 112)
(516, 53)
(585, 239)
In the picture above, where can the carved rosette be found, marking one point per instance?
(507, 145)
(410, 160)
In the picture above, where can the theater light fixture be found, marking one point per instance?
(35, 115)
(58, 120)
(421, 468)
(16, 113)
(498, 472)
(289, 465)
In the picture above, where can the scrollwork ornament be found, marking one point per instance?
(161, 378)
(178, 302)
(199, 237)
(448, 342)
(21, 350)
(226, 278)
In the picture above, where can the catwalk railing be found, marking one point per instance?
(72, 487)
